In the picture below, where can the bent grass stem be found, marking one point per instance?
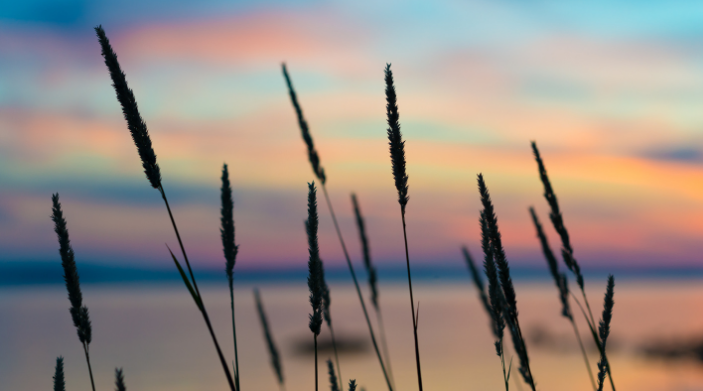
(200, 304)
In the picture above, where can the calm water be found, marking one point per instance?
(159, 338)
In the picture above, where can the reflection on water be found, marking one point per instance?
(159, 338)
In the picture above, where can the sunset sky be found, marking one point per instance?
(611, 91)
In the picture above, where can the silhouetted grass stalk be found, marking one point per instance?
(140, 135)
(320, 174)
(510, 312)
(373, 282)
(397, 152)
(496, 306)
(496, 327)
(567, 251)
(562, 286)
(79, 312)
(230, 250)
(315, 279)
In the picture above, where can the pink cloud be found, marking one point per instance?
(313, 38)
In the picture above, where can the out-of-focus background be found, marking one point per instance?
(611, 91)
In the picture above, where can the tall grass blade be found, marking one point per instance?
(319, 172)
(59, 381)
(135, 123)
(230, 250)
(273, 350)
(312, 152)
(397, 151)
(352, 385)
(79, 312)
(315, 279)
(141, 138)
(510, 312)
(496, 306)
(567, 250)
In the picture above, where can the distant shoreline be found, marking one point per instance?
(50, 273)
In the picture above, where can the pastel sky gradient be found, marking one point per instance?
(611, 91)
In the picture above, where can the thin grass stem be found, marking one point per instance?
(384, 344)
(336, 356)
(90, 369)
(596, 340)
(373, 281)
(505, 374)
(356, 285)
(412, 304)
(234, 335)
(583, 352)
(315, 338)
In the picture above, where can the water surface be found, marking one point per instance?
(157, 335)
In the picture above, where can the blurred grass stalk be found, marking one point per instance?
(567, 252)
(320, 174)
(141, 138)
(373, 281)
(493, 308)
(334, 385)
(273, 350)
